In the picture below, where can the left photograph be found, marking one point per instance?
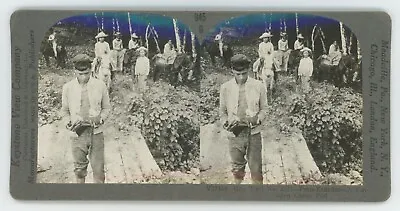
(118, 100)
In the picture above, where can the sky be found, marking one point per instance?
(111, 20)
(247, 26)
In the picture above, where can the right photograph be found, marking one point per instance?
(281, 102)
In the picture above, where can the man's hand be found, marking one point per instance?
(76, 124)
(231, 123)
(96, 120)
(69, 126)
(253, 120)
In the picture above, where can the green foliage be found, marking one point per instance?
(168, 120)
(49, 103)
(331, 121)
(209, 97)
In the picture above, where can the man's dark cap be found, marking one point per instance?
(82, 62)
(240, 62)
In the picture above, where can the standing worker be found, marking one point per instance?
(305, 70)
(142, 68)
(283, 52)
(266, 56)
(102, 47)
(85, 106)
(118, 52)
(242, 109)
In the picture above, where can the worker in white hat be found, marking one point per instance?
(142, 68)
(266, 55)
(299, 43)
(101, 48)
(266, 50)
(305, 70)
(133, 42)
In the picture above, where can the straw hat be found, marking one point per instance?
(266, 34)
(300, 36)
(101, 34)
(118, 34)
(283, 34)
(306, 49)
(218, 37)
(142, 49)
(133, 35)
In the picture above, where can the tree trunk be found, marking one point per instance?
(284, 24)
(156, 39)
(178, 40)
(113, 21)
(297, 24)
(193, 38)
(117, 25)
(184, 41)
(343, 38)
(270, 22)
(98, 23)
(102, 21)
(147, 36)
(129, 22)
(312, 38)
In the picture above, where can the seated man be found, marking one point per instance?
(334, 55)
(169, 52)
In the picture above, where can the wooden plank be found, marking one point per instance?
(207, 135)
(290, 165)
(283, 157)
(268, 177)
(45, 151)
(146, 162)
(124, 160)
(273, 160)
(272, 157)
(304, 157)
(215, 156)
(54, 147)
(130, 160)
(114, 168)
(48, 154)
